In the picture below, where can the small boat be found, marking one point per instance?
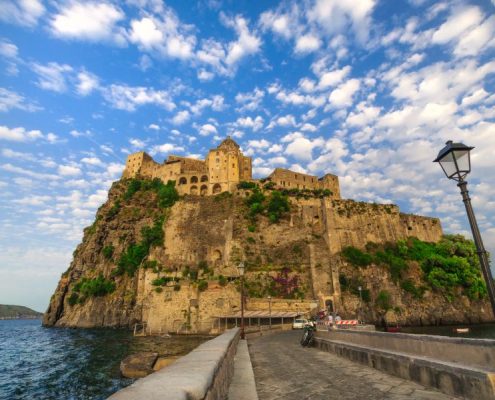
(461, 330)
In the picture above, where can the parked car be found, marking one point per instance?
(299, 323)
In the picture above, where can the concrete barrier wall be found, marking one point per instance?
(457, 367)
(203, 374)
(473, 352)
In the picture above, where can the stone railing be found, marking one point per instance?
(455, 366)
(203, 374)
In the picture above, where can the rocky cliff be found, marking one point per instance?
(153, 258)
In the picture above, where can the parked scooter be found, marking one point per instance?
(308, 336)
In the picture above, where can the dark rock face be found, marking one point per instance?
(138, 365)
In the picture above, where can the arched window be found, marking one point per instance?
(194, 179)
(182, 181)
(204, 178)
(204, 190)
(217, 188)
(194, 190)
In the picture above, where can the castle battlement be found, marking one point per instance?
(222, 169)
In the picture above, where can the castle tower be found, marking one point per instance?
(227, 166)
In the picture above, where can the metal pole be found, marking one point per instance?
(270, 311)
(360, 302)
(243, 336)
(482, 254)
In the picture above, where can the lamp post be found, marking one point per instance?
(270, 311)
(241, 268)
(360, 302)
(455, 161)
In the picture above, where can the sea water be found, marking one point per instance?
(61, 363)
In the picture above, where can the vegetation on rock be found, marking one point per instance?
(87, 287)
(449, 264)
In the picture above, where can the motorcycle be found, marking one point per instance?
(308, 336)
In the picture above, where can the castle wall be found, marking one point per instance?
(288, 179)
(350, 223)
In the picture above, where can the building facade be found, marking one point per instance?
(221, 171)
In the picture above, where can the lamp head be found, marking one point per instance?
(455, 160)
(241, 268)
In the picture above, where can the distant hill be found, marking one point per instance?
(18, 312)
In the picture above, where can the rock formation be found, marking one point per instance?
(187, 253)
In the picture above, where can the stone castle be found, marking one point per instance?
(221, 171)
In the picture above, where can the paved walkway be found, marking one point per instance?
(285, 370)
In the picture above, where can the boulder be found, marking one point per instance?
(138, 365)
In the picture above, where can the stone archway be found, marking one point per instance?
(217, 188)
(194, 190)
(203, 190)
(194, 179)
(182, 181)
(204, 178)
(217, 256)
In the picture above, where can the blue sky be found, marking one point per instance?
(368, 90)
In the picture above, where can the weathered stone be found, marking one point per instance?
(163, 362)
(138, 365)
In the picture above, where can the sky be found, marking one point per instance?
(368, 90)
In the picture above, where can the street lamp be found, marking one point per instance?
(455, 161)
(270, 310)
(360, 302)
(241, 269)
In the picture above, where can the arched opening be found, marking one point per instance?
(217, 255)
(217, 188)
(194, 190)
(182, 181)
(194, 179)
(204, 178)
(204, 190)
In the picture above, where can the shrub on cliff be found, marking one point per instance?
(247, 185)
(384, 300)
(357, 257)
(167, 195)
(87, 287)
(108, 251)
(277, 205)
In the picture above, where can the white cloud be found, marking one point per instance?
(307, 44)
(343, 95)
(249, 101)
(165, 35)
(461, 20)
(137, 144)
(181, 117)
(24, 171)
(154, 127)
(52, 76)
(19, 134)
(11, 100)
(87, 83)
(286, 120)
(21, 12)
(204, 75)
(255, 124)
(95, 161)
(333, 78)
(207, 129)
(89, 20)
(166, 148)
(246, 44)
(475, 97)
(302, 148)
(335, 16)
(145, 32)
(8, 49)
(69, 170)
(128, 98)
